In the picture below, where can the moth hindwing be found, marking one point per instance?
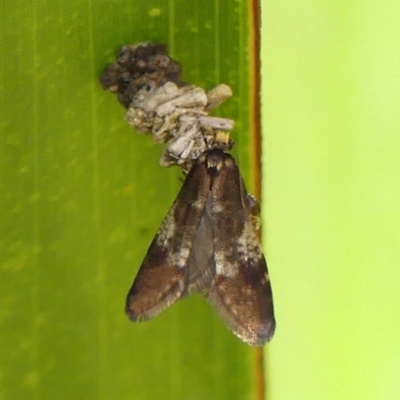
(208, 243)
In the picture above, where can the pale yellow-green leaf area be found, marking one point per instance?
(331, 119)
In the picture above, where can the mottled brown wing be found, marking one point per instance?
(241, 290)
(163, 276)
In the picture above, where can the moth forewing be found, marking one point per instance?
(241, 290)
(163, 276)
(246, 307)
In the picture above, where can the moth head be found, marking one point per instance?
(215, 160)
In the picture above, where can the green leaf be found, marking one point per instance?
(331, 157)
(82, 196)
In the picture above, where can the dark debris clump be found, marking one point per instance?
(139, 66)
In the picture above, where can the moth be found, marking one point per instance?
(208, 243)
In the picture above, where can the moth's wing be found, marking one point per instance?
(201, 265)
(163, 276)
(241, 289)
